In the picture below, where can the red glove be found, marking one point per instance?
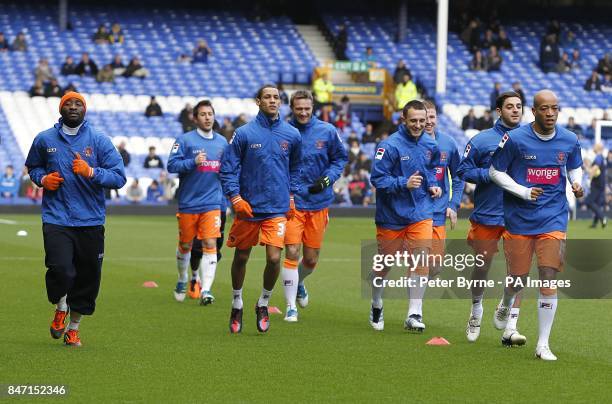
(291, 212)
(80, 167)
(242, 207)
(51, 182)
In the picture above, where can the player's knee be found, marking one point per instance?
(241, 256)
(547, 273)
(209, 244)
(310, 262)
(273, 258)
(292, 251)
(184, 247)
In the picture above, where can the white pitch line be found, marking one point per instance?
(7, 221)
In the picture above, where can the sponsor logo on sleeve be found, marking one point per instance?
(175, 148)
(503, 140)
(467, 150)
(380, 152)
(543, 175)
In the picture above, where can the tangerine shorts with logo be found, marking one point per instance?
(415, 235)
(245, 234)
(203, 225)
(438, 239)
(548, 247)
(307, 227)
(483, 238)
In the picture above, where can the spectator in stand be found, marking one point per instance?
(576, 60)
(70, 87)
(405, 92)
(568, 39)
(25, 182)
(494, 94)
(400, 70)
(358, 189)
(593, 83)
(53, 89)
(135, 69)
(341, 121)
(153, 160)
(494, 60)
(353, 151)
(341, 195)
(118, 65)
(604, 65)
(606, 84)
(154, 192)
(564, 65)
(554, 28)
(116, 34)
(9, 183)
(87, 67)
(69, 67)
(43, 71)
(227, 129)
(185, 118)
(282, 94)
(201, 52)
(469, 121)
(363, 163)
(4, 44)
(240, 120)
(516, 87)
(488, 40)
(167, 185)
(326, 114)
(369, 57)
(102, 36)
(134, 193)
(323, 90)
(574, 127)
(549, 53)
(486, 121)
(125, 155)
(20, 44)
(341, 42)
(345, 107)
(106, 75)
(503, 42)
(153, 109)
(590, 131)
(37, 90)
(369, 136)
(478, 63)
(471, 35)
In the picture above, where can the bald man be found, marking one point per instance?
(530, 165)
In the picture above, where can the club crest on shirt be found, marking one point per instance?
(284, 146)
(88, 151)
(380, 152)
(320, 144)
(467, 150)
(428, 155)
(443, 156)
(561, 157)
(503, 140)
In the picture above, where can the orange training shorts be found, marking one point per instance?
(484, 238)
(438, 239)
(548, 247)
(244, 234)
(203, 225)
(307, 227)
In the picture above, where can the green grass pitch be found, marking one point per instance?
(142, 346)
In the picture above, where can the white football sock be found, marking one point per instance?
(236, 298)
(547, 306)
(477, 306)
(416, 294)
(208, 268)
(513, 318)
(61, 305)
(290, 285)
(377, 292)
(75, 320)
(264, 299)
(303, 272)
(182, 264)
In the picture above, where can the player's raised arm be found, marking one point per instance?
(110, 172)
(468, 168)
(231, 166)
(178, 161)
(382, 171)
(502, 159)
